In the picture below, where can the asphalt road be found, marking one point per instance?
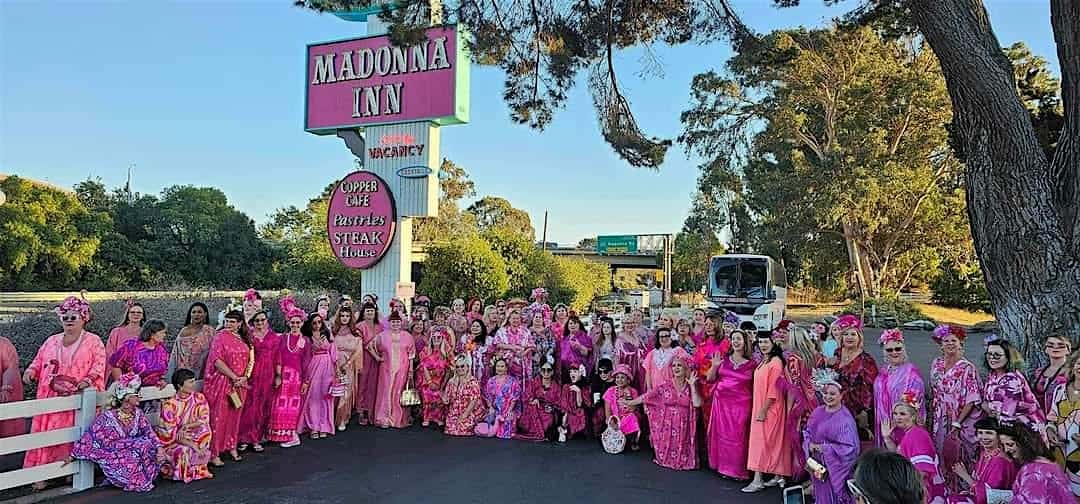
(421, 465)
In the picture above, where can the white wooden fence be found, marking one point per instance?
(85, 405)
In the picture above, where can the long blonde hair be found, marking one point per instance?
(800, 344)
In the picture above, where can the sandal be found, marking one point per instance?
(242, 448)
(235, 456)
(258, 448)
(216, 462)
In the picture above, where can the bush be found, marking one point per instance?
(463, 267)
(961, 286)
(576, 281)
(901, 310)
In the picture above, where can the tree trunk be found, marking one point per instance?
(1022, 216)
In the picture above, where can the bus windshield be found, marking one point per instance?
(731, 277)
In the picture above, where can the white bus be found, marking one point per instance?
(752, 286)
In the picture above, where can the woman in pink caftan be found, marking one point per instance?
(957, 393)
(368, 376)
(909, 439)
(228, 372)
(993, 469)
(800, 398)
(1040, 480)
(1006, 394)
(713, 343)
(630, 350)
(728, 427)
(350, 349)
(897, 376)
(657, 362)
(320, 373)
(395, 352)
(255, 416)
(513, 342)
(464, 403)
(184, 432)
(769, 445)
(192, 343)
(577, 399)
(431, 376)
(502, 396)
(11, 387)
(619, 414)
(672, 408)
(288, 378)
(542, 407)
(65, 364)
(128, 330)
(575, 349)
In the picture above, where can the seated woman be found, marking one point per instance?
(1040, 480)
(542, 410)
(831, 439)
(121, 441)
(502, 393)
(993, 469)
(185, 431)
(620, 415)
(464, 404)
(577, 399)
(911, 440)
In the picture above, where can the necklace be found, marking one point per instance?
(290, 347)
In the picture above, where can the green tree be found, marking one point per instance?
(690, 261)
(575, 281)
(835, 135)
(461, 268)
(46, 236)
(524, 269)
(493, 212)
(452, 221)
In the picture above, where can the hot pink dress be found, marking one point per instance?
(728, 434)
(320, 372)
(576, 416)
(1041, 483)
(627, 418)
(430, 377)
(255, 418)
(224, 417)
(11, 387)
(915, 444)
(993, 470)
(702, 361)
(890, 385)
(398, 352)
(286, 408)
(368, 377)
(672, 426)
(85, 359)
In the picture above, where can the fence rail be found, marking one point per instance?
(85, 406)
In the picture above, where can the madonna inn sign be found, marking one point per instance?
(387, 102)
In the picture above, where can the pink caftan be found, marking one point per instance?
(540, 410)
(368, 375)
(769, 445)
(181, 462)
(994, 470)
(657, 364)
(320, 372)
(460, 421)
(576, 416)
(632, 354)
(430, 377)
(890, 386)
(1008, 394)
(672, 426)
(520, 366)
(82, 360)
(288, 402)
(224, 416)
(11, 387)
(953, 389)
(628, 420)
(398, 352)
(797, 387)
(728, 427)
(118, 336)
(255, 417)
(1041, 482)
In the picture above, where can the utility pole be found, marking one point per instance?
(543, 239)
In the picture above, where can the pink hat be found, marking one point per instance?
(622, 369)
(289, 308)
(848, 322)
(891, 335)
(75, 304)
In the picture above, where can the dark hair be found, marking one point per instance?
(495, 363)
(199, 304)
(1029, 444)
(251, 321)
(718, 326)
(671, 334)
(1011, 357)
(472, 302)
(888, 478)
(776, 351)
(180, 376)
(748, 349)
(306, 328)
(238, 316)
(481, 338)
(150, 328)
(364, 307)
(605, 363)
(128, 309)
(572, 318)
(987, 423)
(610, 321)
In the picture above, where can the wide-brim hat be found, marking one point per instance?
(623, 369)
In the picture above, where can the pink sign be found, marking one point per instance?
(368, 81)
(361, 219)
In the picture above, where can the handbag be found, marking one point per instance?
(235, 400)
(337, 388)
(614, 441)
(64, 385)
(410, 396)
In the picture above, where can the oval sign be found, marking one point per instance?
(361, 220)
(418, 171)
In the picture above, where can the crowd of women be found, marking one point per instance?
(792, 406)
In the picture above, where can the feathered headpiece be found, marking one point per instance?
(823, 377)
(681, 355)
(848, 322)
(75, 304)
(251, 295)
(128, 384)
(891, 335)
(911, 399)
(289, 308)
(731, 317)
(941, 331)
(537, 293)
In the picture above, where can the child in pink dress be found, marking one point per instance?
(620, 417)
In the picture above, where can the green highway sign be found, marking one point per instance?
(617, 244)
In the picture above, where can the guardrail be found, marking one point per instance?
(85, 406)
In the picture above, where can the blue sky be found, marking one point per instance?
(211, 93)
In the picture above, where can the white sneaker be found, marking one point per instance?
(295, 442)
(562, 435)
(341, 427)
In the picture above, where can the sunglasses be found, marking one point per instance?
(546, 370)
(69, 318)
(856, 491)
(604, 371)
(894, 350)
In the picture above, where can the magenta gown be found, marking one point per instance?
(672, 426)
(728, 428)
(889, 386)
(569, 357)
(632, 355)
(398, 353)
(224, 417)
(286, 406)
(127, 454)
(1041, 483)
(536, 419)
(320, 372)
(576, 416)
(839, 439)
(991, 469)
(916, 446)
(149, 363)
(368, 377)
(255, 418)
(1009, 394)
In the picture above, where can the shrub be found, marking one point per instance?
(961, 286)
(463, 267)
(886, 307)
